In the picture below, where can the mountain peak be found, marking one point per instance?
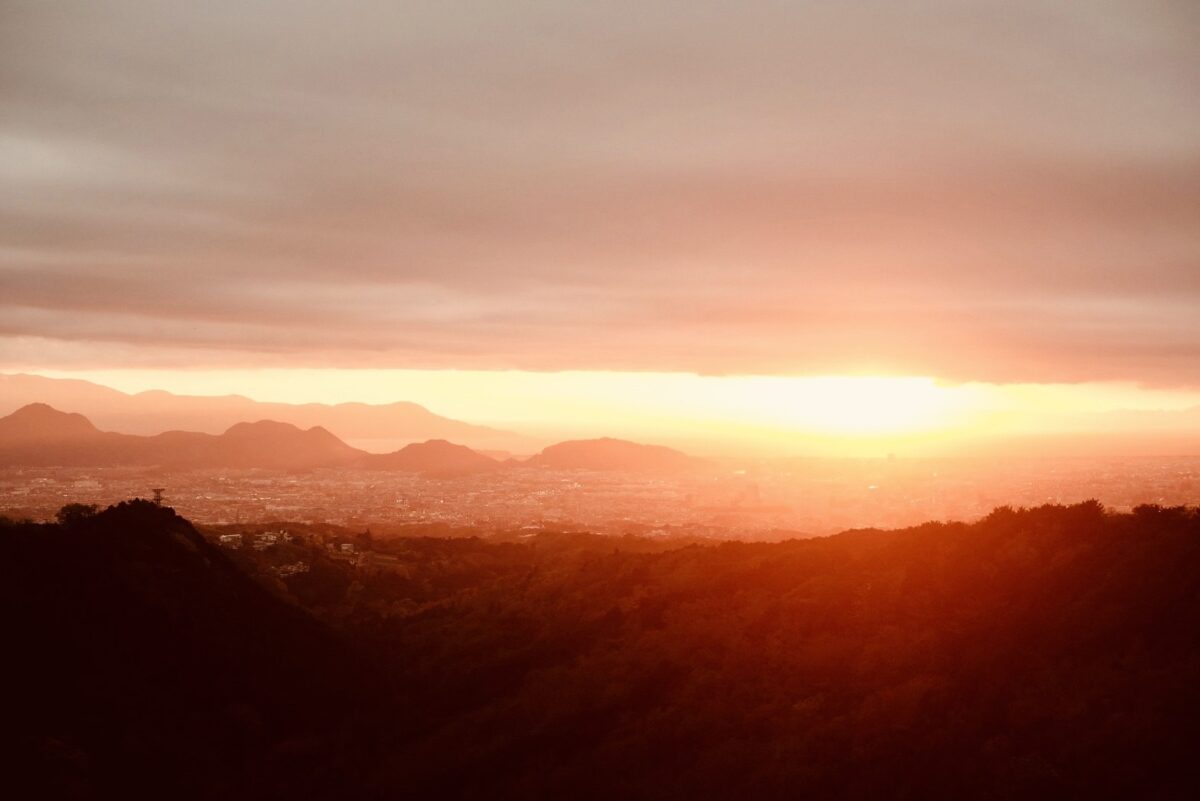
(262, 428)
(437, 456)
(275, 444)
(607, 453)
(436, 445)
(156, 411)
(43, 421)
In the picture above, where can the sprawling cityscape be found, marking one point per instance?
(755, 501)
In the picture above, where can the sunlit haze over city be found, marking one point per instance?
(780, 415)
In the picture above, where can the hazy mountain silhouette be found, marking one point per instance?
(435, 456)
(39, 435)
(156, 411)
(39, 422)
(612, 454)
(265, 443)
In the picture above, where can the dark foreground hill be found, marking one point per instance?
(1045, 654)
(141, 663)
(1051, 653)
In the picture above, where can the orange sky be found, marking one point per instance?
(559, 214)
(770, 415)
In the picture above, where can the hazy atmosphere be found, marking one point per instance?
(656, 401)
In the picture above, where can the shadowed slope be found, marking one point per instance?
(149, 664)
(1049, 653)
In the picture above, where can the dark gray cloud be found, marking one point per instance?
(994, 190)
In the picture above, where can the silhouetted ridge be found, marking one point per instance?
(39, 435)
(272, 444)
(1049, 653)
(152, 412)
(612, 454)
(152, 667)
(38, 421)
(1044, 653)
(437, 456)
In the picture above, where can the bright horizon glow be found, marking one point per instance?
(820, 414)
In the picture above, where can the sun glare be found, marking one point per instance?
(662, 403)
(840, 415)
(859, 405)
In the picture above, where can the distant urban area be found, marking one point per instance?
(761, 501)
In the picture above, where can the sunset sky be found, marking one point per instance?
(640, 217)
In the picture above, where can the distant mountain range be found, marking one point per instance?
(38, 435)
(170, 630)
(156, 411)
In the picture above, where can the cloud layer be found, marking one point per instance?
(996, 191)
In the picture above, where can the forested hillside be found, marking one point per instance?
(1050, 653)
